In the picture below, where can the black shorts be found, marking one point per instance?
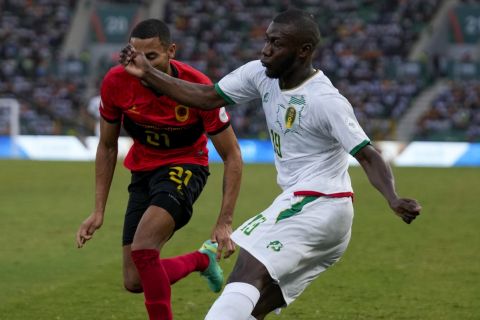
(173, 188)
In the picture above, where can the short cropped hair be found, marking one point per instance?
(152, 28)
(306, 27)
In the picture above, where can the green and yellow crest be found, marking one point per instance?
(290, 116)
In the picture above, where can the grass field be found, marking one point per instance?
(427, 270)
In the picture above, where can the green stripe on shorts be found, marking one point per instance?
(296, 208)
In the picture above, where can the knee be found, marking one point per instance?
(131, 280)
(133, 286)
(140, 243)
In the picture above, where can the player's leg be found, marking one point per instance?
(177, 267)
(131, 279)
(172, 191)
(250, 276)
(146, 229)
(271, 298)
(154, 230)
(295, 239)
(203, 260)
(237, 301)
(184, 183)
(320, 235)
(138, 202)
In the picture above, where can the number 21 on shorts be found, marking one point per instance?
(180, 176)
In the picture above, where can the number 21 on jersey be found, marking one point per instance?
(276, 143)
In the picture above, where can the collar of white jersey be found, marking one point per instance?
(313, 75)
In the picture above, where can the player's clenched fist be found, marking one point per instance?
(134, 62)
(407, 209)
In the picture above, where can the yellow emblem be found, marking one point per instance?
(181, 113)
(133, 109)
(290, 117)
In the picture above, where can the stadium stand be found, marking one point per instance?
(49, 87)
(366, 50)
(454, 114)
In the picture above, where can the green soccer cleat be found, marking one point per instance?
(213, 273)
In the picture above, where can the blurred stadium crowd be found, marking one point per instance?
(47, 85)
(366, 51)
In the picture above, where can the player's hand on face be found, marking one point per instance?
(406, 209)
(88, 228)
(134, 62)
(221, 235)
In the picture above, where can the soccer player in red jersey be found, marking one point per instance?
(169, 165)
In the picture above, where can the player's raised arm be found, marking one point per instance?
(380, 175)
(187, 93)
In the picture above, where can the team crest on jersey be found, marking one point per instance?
(181, 113)
(133, 109)
(289, 117)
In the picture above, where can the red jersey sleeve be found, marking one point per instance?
(215, 121)
(108, 110)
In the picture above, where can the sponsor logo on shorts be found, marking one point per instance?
(275, 245)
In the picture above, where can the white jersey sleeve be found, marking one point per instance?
(241, 85)
(341, 123)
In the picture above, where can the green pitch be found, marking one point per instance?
(427, 270)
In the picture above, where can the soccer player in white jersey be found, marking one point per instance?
(313, 130)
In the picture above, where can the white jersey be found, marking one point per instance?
(312, 127)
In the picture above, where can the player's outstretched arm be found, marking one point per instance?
(380, 175)
(187, 93)
(105, 162)
(227, 146)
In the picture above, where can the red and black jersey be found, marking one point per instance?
(164, 132)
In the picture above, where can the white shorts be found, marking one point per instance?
(297, 238)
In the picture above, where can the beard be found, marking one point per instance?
(281, 67)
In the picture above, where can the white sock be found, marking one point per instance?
(235, 303)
